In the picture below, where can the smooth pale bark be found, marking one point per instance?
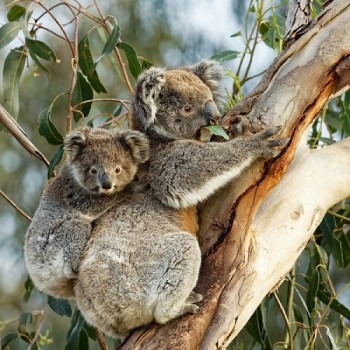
(252, 231)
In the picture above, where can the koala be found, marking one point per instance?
(143, 258)
(99, 164)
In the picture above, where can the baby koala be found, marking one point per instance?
(99, 164)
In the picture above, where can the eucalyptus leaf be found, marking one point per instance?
(312, 291)
(28, 286)
(256, 327)
(23, 324)
(133, 62)
(225, 55)
(5, 341)
(86, 62)
(15, 13)
(60, 306)
(55, 161)
(48, 129)
(82, 92)
(217, 130)
(41, 49)
(9, 32)
(37, 62)
(73, 335)
(111, 42)
(328, 225)
(13, 68)
(87, 65)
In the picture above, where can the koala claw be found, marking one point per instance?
(190, 309)
(194, 298)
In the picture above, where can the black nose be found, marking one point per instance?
(211, 113)
(106, 181)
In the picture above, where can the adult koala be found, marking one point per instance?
(143, 259)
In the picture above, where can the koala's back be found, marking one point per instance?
(122, 273)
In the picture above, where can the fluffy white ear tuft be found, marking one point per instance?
(74, 141)
(138, 145)
(211, 73)
(148, 89)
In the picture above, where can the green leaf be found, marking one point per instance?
(133, 61)
(13, 68)
(145, 64)
(47, 129)
(73, 335)
(111, 42)
(60, 306)
(8, 32)
(86, 62)
(256, 327)
(328, 225)
(28, 285)
(217, 130)
(83, 340)
(16, 12)
(312, 291)
(236, 34)
(88, 66)
(55, 161)
(22, 326)
(225, 55)
(40, 49)
(7, 339)
(82, 92)
(334, 304)
(37, 62)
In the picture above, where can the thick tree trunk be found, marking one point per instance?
(252, 232)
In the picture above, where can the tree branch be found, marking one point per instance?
(252, 231)
(17, 132)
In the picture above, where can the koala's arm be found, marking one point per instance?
(55, 243)
(185, 172)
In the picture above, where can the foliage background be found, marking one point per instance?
(166, 33)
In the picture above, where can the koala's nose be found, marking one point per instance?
(211, 113)
(106, 181)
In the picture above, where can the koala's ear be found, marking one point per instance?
(211, 73)
(148, 87)
(138, 145)
(74, 141)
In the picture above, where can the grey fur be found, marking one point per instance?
(143, 260)
(99, 164)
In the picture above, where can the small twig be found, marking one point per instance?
(285, 317)
(100, 339)
(125, 103)
(22, 212)
(56, 21)
(17, 132)
(75, 60)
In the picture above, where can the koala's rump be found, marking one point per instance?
(118, 282)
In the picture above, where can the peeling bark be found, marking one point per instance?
(252, 231)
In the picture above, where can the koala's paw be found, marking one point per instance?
(190, 306)
(194, 298)
(190, 309)
(265, 145)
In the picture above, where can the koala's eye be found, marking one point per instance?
(118, 170)
(187, 109)
(93, 171)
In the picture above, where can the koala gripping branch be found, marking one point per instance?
(276, 215)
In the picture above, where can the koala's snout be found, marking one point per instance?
(211, 113)
(106, 181)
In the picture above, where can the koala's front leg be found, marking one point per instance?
(77, 232)
(187, 172)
